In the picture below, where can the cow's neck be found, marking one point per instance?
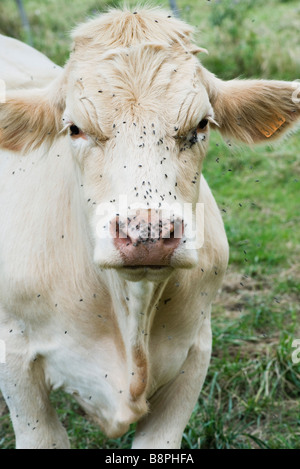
(135, 305)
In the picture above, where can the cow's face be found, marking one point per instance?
(138, 128)
(138, 107)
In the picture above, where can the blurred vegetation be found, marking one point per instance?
(51, 22)
(251, 395)
(248, 38)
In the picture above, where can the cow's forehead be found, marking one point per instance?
(136, 82)
(134, 65)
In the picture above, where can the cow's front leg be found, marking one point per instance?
(172, 405)
(35, 422)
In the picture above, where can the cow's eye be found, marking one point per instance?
(202, 124)
(74, 130)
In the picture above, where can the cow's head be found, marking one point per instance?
(136, 107)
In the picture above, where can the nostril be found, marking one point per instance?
(118, 231)
(176, 229)
(172, 239)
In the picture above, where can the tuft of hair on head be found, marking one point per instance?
(128, 26)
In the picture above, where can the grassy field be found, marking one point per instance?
(251, 394)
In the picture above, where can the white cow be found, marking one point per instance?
(109, 302)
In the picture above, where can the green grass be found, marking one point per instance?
(251, 395)
(256, 191)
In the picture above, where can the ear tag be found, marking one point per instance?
(273, 126)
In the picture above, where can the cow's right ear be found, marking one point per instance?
(253, 111)
(29, 118)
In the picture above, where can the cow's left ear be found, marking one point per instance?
(31, 117)
(254, 111)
